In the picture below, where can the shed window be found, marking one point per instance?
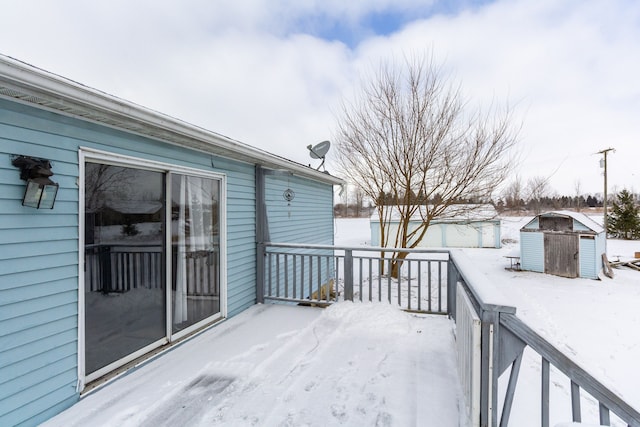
(556, 223)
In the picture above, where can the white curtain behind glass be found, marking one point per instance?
(193, 236)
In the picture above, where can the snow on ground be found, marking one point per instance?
(352, 364)
(596, 323)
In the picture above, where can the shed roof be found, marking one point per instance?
(453, 213)
(578, 216)
(31, 85)
(135, 207)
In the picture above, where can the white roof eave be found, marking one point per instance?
(31, 85)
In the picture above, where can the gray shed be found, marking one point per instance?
(563, 243)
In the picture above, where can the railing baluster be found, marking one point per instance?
(294, 275)
(545, 393)
(302, 276)
(389, 282)
(409, 285)
(440, 286)
(604, 415)
(419, 285)
(575, 403)
(380, 269)
(310, 277)
(370, 279)
(286, 275)
(319, 262)
(278, 274)
(336, 260)
(328, 278)
(270, 261)
(429, 286)
(360, 276)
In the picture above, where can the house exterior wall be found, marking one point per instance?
(307, 218)
(39, 255)
(532, 251)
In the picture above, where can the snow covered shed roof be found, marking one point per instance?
(576, 216)
(33, 86)
(453, 213)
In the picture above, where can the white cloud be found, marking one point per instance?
(247, 69)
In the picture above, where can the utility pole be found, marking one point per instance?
(603, 163)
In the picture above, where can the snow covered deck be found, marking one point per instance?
(349, 364)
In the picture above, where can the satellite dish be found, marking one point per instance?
(319, 151)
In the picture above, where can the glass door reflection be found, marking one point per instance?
(125, 298)
(195, 234)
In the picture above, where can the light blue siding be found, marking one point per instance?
(578, 226)
(308, 218)
(375, 233)
(38, 276)
(532, 251)
(588, 258)
(439, 233)
(534, 224)
(39, 252)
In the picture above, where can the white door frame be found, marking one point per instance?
(92, 155)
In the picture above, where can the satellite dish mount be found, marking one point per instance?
(319, 151)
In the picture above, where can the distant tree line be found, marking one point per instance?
(548, 203)
(358, 208)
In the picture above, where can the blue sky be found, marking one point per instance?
(272, 74)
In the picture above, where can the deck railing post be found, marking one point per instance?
(488, 369)
(452, 281)
(348, 275)
(260, 253)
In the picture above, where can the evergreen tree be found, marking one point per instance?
(624, 221)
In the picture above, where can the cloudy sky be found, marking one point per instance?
(272, 73)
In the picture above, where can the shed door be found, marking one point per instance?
(561, 254)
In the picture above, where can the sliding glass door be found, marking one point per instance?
(195, 236)
(124, 248)
(152, 260)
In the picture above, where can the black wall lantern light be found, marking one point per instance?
(41, 192)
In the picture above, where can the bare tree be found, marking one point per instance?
(103, 179)
(358, 200)
(410, 141)
(577, 186)
(513, 194)
(537, 189)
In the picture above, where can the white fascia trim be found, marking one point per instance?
(81, 314)
(72, 98)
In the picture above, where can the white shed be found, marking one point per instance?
(461, 226)
(563, 243)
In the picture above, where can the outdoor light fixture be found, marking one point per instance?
(41, 192)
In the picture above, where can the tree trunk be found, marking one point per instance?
(396, 264)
